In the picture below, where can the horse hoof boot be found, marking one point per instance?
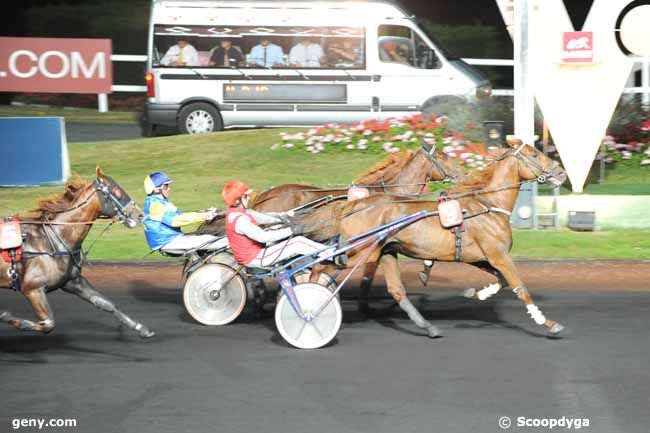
(556, 329)
(433, 332)
(470, 293)
(146, 332)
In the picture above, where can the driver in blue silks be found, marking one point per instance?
(163, 220)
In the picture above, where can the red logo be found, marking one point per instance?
(53, 65)
(578, 47)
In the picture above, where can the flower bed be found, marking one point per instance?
(389, 136)
(633, 143)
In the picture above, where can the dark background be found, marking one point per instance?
(20, 17)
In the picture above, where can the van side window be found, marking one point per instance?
(399, 44)
(247, 47)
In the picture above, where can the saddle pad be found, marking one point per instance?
(10, 236)
(356, 193)
(451, 214)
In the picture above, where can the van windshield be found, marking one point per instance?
(256, 47)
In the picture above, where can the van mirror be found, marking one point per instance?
(427, 58)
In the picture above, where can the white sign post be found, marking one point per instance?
(578, 99)
(577, 78)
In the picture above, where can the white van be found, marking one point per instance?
(221, 64)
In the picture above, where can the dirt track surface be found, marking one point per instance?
(537, 274)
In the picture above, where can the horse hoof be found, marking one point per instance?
(556, 329)
(470, 293)
(433, 332)
(146, 333)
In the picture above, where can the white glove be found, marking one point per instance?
(210, 214)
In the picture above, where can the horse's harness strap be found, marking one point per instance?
(458, 232)
(499, 210)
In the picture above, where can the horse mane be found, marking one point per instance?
(60, 202)
(386, 168)
(474, 179)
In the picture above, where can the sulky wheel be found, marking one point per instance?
(208, 300)
(324, 280)
(314, 333)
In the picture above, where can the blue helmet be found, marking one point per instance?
(155, 180)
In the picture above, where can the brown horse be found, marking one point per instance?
(52, 257)
(405, 173)
(485, 243)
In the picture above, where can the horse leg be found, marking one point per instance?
(396, 289)
(489, 290)
(82, 288)
(504, 264)
(369, 271)
(41, 306)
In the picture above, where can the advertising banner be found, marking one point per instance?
(55, 65)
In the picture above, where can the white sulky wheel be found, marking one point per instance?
(204, 300)
(309, 334)
(324, 280)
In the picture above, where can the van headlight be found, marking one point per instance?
(484, 90)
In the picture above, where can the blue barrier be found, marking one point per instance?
(33, 151)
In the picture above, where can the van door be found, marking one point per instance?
(409, 71)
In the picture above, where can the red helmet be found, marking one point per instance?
(233, 191)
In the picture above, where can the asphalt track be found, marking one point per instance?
(379, 375)
(83, 132)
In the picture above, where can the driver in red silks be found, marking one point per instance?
(248, 240)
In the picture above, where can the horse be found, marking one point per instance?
(487, 238)
(404, 173)
(52, 257)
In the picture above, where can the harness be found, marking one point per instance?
(11, 237)
(11, 244)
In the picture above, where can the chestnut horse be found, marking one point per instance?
(52, 257)
(404, 173)
(485, 243)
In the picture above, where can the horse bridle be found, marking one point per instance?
(111, 205)
(542, 175)
(430, 154)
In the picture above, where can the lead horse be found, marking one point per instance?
(486, 242)
(52, 257)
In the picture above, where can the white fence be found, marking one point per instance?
(643, 64)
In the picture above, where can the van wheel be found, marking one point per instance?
(199, 118)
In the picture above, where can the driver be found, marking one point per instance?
(249, 242)
(163, 220)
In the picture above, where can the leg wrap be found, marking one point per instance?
(413, 313)
(26, 325)
(102, 303)
(126, 320)
(47, 324)
(536, 314)
(488, 291)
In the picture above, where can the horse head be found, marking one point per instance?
(115, 201)
(442, 166)
(533, 164)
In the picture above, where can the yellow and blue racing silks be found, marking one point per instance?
(162, 220)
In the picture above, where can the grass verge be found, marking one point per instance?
(70, 114)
